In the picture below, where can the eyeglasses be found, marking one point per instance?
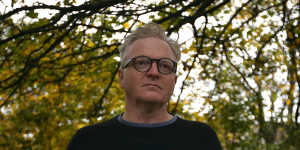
(144, 64)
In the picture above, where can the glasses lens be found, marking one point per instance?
(142, 63)
(166, 66)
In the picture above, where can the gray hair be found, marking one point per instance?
(146, 31)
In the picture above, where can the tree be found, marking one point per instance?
(58, 71)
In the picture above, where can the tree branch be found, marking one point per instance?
(98, 105)
(196, 35)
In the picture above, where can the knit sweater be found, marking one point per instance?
(116, 133)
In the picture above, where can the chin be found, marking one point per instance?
(152, 98)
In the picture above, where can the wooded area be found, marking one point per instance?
(58, 66)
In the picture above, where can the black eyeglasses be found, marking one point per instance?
(144, 64)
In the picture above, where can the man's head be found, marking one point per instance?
(149, 30)
(148, 65)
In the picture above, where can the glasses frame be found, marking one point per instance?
(152, 60)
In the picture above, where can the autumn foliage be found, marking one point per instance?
(241, 66)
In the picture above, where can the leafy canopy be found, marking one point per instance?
(239, 73)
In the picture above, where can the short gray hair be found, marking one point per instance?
(146, 31)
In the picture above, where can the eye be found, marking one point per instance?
(142, 62)
(166, 65)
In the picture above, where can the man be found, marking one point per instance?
(148, 76)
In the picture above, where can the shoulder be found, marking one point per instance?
(193, 124)
(91, 134)
(200, 132)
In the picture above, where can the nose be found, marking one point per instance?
(153, 70)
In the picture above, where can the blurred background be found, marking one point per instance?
(239, 73)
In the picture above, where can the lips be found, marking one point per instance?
(151, 85)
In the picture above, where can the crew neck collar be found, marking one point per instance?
(148, 125)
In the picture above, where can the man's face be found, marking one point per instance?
(150, 86)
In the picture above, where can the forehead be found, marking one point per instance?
(151, 47)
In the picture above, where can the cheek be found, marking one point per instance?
(171, 84)
(130, 80)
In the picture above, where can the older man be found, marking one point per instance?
(148, 76)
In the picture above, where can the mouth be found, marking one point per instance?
(152, 85)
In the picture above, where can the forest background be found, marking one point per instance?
(240, 71)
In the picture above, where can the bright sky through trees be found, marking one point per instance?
(185, 36)
(240, 70)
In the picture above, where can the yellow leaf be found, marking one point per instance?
(230, 136)
(90, 43)
(80, 125)
(126, 25)
(229, 27)
(265, 38)
(290, 35)
(279, 57)
(57, 54)
(113, 47)
(256, 78)
(288, 102)
(185, 51)
(28, 50)
(45, 59)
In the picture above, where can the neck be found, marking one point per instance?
(146, 113)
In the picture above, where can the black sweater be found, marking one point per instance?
(177, 134)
